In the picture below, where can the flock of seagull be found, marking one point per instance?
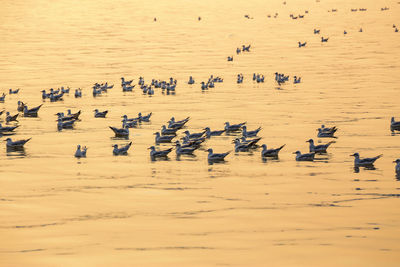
(244, 140)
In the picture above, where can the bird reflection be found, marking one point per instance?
(16, 151)
(266, 159)
(357, 169)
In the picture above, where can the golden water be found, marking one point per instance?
(128, 211)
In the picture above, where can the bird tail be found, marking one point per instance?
(282, 147)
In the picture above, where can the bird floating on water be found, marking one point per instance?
(394, 125)
(326, 132)
(33, 112)
(11, 118)
(233, 127)
(191, 80)
(215, 157)
(302, 44)
(272, 152)
(120, 132)
(304, 157)
(397, 167)
(194, 135)
(324, 39)
(319, 148)
(365, 162)
(16, 144)
(11, 91)
(80, 152)
(69, 124)
(160, 153)
(246, 133)
(123, 150)
(184, 151)
(100, 114)
(78, 92)
(168, 131)
(163, 138)
(210, 133)
(7, 128)
(145, 118)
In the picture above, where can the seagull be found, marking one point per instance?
(21, 106)
(358, 162)
(216, 157)
(326, 133)
(124, 82)
(122, 150)
(394, 125)
(241, 147)
(319, 148)
(230, 58)
(74, 115)
(210, 133)
(145, 118)
(272, 152)
(11, 118)
(160, 153)
(78, 93)
(191, 144)
(33, 112)
(252, 142)
(233, 127)
(164, 138)
(3, 97)
(129, 124)
(65, 124)
(191, 81)
(304, 157)
(80, 153)
(316, 31)
(64, 118)
(168, 131)
(397, 168)
(65, 91)
(246, 133)
(16, 144)
(122, 132)
(324, 39)
(11, 91)
(184, 151)
(98, 114)
(328, 129)
(177, 124)
(54, 97)
(194, 135)
(7, 128)
(302, 44)
(344, 32)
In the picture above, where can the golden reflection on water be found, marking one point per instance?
(129, 211)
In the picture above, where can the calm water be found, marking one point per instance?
(128, 211)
